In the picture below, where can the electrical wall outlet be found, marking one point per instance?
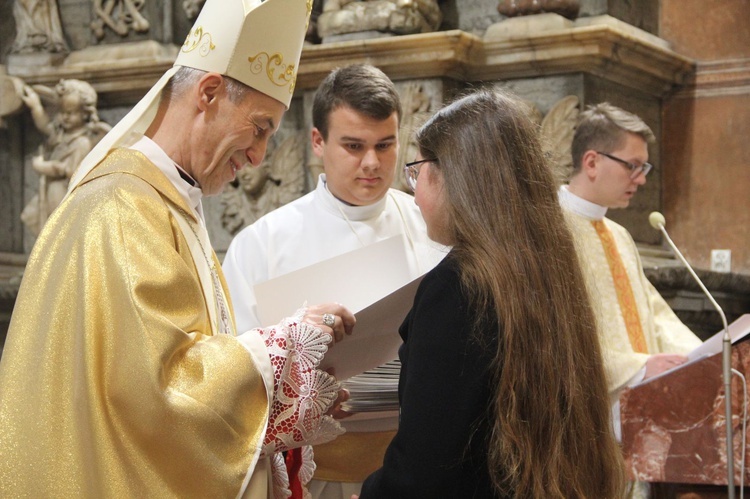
(721, 260)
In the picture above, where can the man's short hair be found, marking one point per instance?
(361, 87)
(602, 127)
(186, 77)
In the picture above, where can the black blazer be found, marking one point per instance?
(444, 390)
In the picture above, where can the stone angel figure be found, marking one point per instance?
(38, 27)
(71, 134)
(120, 16)
(257, 191)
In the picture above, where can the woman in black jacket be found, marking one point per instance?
(502, 389)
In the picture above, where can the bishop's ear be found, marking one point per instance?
(209, 87)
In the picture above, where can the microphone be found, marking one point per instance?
(658, 222)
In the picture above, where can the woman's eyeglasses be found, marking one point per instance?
(411, 172)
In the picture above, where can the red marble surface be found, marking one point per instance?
(673, 427)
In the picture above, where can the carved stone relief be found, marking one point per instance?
(417, 106)
(192, 8)
(11, 89)
(38, 27)
(557, 129)
(512, 8)
(71, 134)
(385, 16)
(120, 16)
(257, 191)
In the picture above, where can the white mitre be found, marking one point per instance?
(256, 42)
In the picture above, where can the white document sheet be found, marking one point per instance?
(737, 330)
(375, 282)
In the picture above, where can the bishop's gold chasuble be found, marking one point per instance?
(113, 383)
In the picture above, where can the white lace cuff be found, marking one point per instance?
(302, 393)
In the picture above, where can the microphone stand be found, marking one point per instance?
(726, 359)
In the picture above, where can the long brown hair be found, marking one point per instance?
(551, 435)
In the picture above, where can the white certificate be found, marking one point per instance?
(375, 282)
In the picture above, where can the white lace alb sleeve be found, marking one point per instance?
(302, 393)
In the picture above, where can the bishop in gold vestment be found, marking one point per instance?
(112, 383)
(122, 374)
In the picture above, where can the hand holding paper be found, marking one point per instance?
(376, 282)
(341, 319)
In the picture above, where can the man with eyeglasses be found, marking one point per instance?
(356, 115)
(640, 335)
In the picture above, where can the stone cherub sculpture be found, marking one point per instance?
(399, 17)
(257, 191)
(38, 27)
(71, 134)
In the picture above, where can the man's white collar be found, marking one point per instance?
(580, 206)
(354, 213)
(157, 156)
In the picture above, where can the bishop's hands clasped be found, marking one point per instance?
(332, 318)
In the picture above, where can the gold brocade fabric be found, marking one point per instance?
(662, 330)
(352, 457)
(625, 296)
(111, 382)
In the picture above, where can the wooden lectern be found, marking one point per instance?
(673, 425)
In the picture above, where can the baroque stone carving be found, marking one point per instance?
(557, 129)
(512, 8)
(120, 16)
(11, 89)
(192, 8)
(399, 17)
(38, 27)
(416, 107)
(257, 191)
(71, 134)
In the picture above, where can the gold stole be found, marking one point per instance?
(206, 264)
(625, 296)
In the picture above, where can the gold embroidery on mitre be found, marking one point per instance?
(286, 75)
(198, 39)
